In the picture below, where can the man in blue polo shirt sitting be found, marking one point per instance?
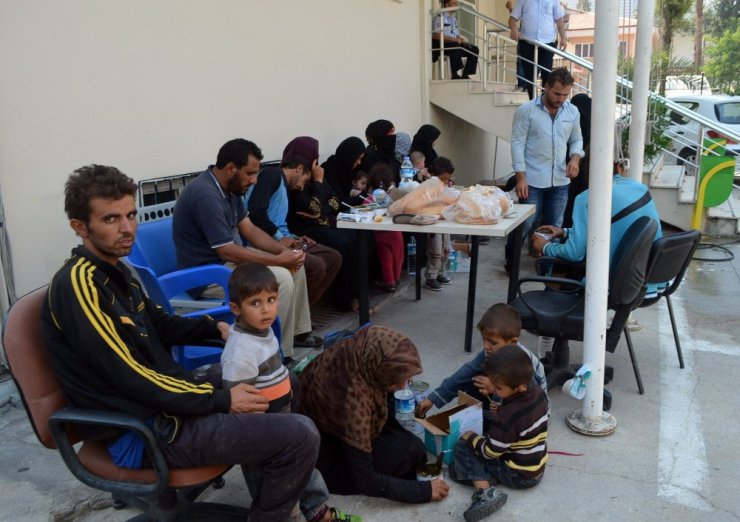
(209, 224)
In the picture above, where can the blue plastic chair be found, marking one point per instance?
(189, 356)
(155, 249)
(153, 258)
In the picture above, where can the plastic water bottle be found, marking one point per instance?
(411, 256)
(407, 172)
(405, 408)
(452, 260)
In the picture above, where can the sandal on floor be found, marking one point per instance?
(310, 341)
(341, 516)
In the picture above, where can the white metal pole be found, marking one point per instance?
(592, 420)
(641, 87)
(486, 55)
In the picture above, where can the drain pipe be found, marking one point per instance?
(591, 419)
(641, 87)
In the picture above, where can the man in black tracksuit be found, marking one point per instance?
(109, 346)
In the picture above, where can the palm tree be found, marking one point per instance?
(699, 36)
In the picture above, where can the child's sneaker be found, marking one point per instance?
(432, 284)
(343, 517)
(443, 279)
(485, 502)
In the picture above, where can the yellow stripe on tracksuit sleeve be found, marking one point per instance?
(88, 298)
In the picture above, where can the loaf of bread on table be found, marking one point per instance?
(478, 205)
(431, 197)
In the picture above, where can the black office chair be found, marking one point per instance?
(669, 258)
(163, 493)
(557, 310)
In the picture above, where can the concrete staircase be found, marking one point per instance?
(490, 108)
(724, 220)
(674, 193)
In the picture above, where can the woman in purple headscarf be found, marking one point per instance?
(313, 213)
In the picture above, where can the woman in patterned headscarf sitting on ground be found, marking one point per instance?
(347, 391)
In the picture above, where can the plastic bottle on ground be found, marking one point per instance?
(411, 256)
(452, 260)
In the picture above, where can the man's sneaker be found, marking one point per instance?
(485, 502)
(344, 517)
(432, 284)
(444, 279)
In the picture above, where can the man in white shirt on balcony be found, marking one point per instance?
(456, 46)
(537, 20)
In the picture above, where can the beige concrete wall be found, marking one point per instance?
(154, 87)
(470, 148)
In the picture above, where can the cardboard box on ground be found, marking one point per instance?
(442, 429)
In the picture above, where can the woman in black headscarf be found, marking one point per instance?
(424, 142)
(580, 183)
(341, 168)
(381, 148)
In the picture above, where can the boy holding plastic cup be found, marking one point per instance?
(513, 451)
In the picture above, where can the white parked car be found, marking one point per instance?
(685, 133)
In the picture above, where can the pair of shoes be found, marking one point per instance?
(433, 284)
(485, 502)
(444, 279)
(341, 516)
(388, 287)
(308, 341)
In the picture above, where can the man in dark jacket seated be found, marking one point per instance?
(109, 346)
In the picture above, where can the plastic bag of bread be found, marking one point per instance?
(478, 205)
(430, 197)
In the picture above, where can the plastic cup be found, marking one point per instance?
(421, 390)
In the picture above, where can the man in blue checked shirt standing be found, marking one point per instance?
(542, 131)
